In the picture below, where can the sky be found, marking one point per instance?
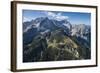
(72, 17)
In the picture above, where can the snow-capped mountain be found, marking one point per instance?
(32, 24)
(44, 23)
(46, 39)
(80, 30)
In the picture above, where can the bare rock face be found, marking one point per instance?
(78, 30)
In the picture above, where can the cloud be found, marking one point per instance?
(57, 16)
(51, 14)
(25, 19)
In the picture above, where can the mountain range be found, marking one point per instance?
(46, 39)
